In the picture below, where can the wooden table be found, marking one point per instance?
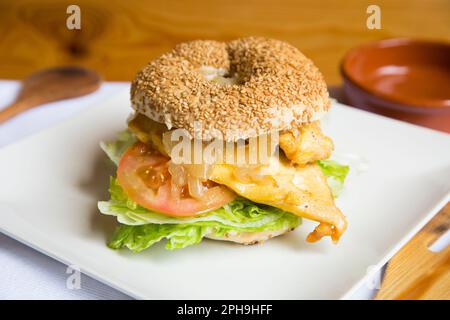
(118, 37)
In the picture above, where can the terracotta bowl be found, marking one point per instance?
(401, 78)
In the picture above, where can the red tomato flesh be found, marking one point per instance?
(143, 174)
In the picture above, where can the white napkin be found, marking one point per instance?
(24, 272)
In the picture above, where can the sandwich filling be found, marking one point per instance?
(155, 198)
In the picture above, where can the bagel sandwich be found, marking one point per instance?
(225, 143)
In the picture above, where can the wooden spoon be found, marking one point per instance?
(51, 85)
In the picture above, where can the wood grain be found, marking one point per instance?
(417, 273)
(118, 37)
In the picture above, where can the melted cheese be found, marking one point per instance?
(300, 190)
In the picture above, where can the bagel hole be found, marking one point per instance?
(221, 76)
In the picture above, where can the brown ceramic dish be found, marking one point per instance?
(401, 78)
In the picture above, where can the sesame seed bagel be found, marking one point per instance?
(265, 85)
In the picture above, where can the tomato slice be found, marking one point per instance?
(143, 174)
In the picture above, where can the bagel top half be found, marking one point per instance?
(235, 90)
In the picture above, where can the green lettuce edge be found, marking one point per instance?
(140, 227)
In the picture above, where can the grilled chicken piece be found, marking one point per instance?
(302, 191)
(308, 146)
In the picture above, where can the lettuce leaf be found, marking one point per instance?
(141, 227)
(116, 148)
(138, 238)
(336, 174)
(240, 213)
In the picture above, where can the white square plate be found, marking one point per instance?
(50, 184)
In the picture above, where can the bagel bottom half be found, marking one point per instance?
(249, 238)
